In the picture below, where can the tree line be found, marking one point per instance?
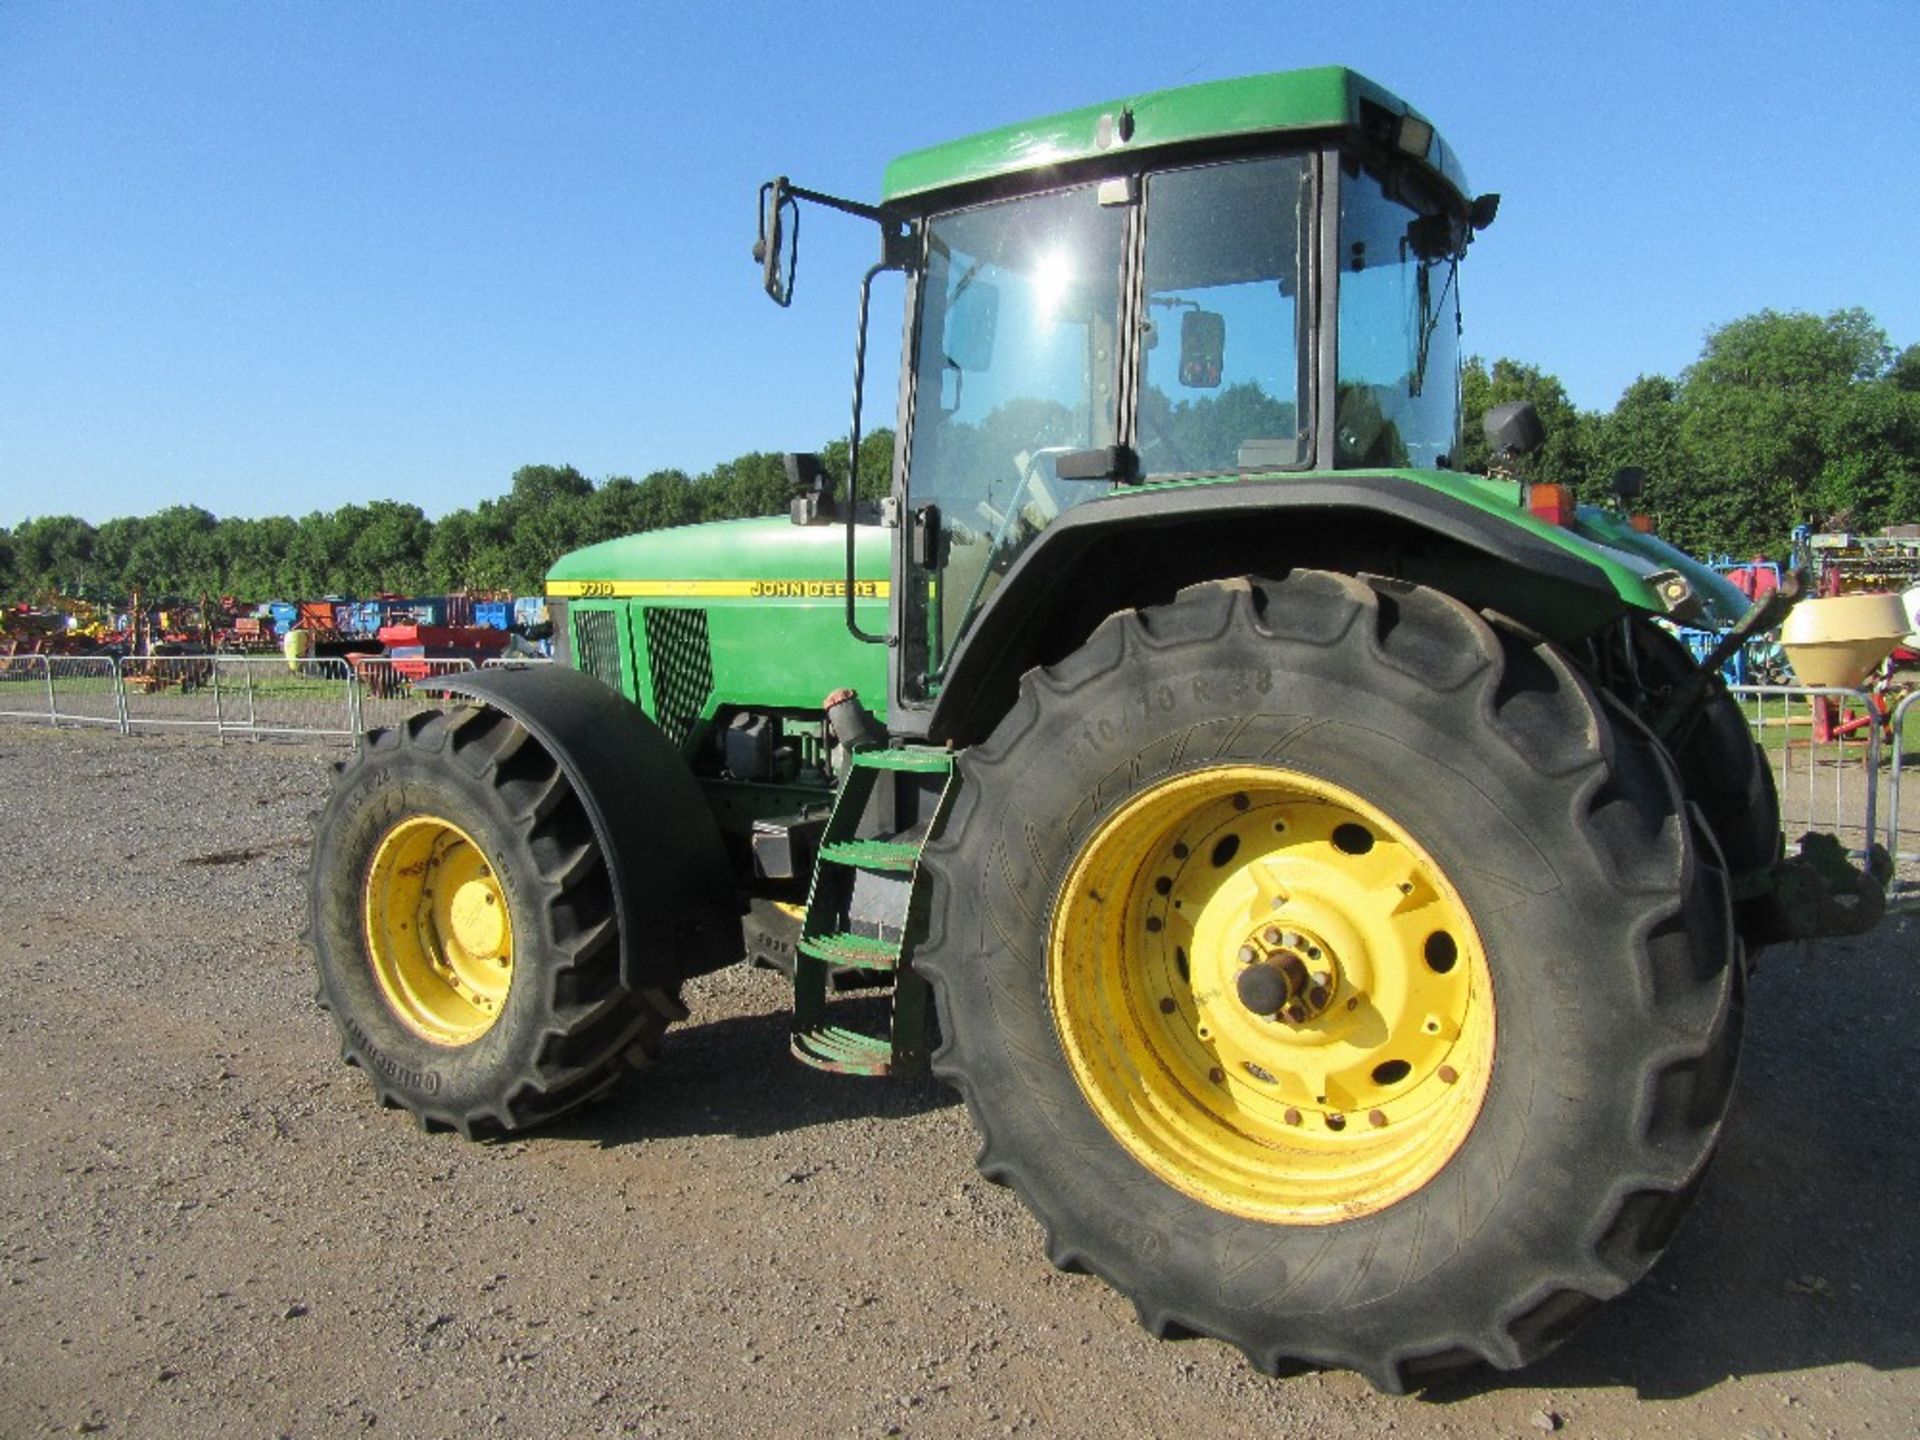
(1787, 418)
(500, 545)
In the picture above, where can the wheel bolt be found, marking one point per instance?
(1248, 954)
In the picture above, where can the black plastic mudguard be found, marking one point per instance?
(679, 910)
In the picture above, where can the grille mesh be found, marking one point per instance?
(682, 663)
(596, 641)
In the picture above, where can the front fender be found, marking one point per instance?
(678, 909)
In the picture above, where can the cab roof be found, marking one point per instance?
(1327, 98)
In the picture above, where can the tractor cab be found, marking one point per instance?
(1166, 324)
(1254, 280)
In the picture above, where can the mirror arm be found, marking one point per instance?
(853, 455)
(834, 202)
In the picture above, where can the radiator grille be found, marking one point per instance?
(682, 662)
(596, 644)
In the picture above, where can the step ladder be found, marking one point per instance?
(871, 923)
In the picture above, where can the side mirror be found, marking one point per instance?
(973, 320)
(1203, 349)
(1629, 481)
(1514, 428)
(777, 247)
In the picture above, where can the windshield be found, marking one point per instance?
(1399, 392)
(1015, 365)
(1223, 338)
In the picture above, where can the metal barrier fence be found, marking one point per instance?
(26, 688)
(1903, 835)
(221, 695)
(1837, 771)
(1839, 775)
(386, 687)
(85, 689)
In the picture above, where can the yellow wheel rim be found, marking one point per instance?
(1272, 997)
(439, 934)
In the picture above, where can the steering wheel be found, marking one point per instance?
(1161, 438)
(1031, 482)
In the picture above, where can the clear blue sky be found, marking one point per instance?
(272, 257)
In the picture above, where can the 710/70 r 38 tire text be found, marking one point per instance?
(464, 932)
(1336, 974)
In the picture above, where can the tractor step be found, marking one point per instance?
(859, 952)
(845, 1052)
(884, 855)
(866, 868)
(920, 759)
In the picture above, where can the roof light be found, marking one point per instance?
(1415, 137)
(1641, 521)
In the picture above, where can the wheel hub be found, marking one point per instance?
(479, 920)
(1286, 975)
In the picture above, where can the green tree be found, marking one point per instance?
(876, 463)
(388, 551)
(471, 549)
(1773, 350)
(1904, 373)
(53, 555)
(621, 505)
(753, 484)
(1791, 418)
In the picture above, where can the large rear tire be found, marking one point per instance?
(1721, 769)
(1335, 974)
(464, 933)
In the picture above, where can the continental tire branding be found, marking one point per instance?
(426, 1082)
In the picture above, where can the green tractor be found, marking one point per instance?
(1335, 886)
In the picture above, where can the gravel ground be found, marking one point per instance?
(209, 1229)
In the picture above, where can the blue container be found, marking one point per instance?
(530, 610)
(492, 614)
(284, 613)
(426, 609)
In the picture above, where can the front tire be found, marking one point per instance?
(464, 933)
(1491, 863)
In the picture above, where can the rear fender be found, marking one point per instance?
(678, 908)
